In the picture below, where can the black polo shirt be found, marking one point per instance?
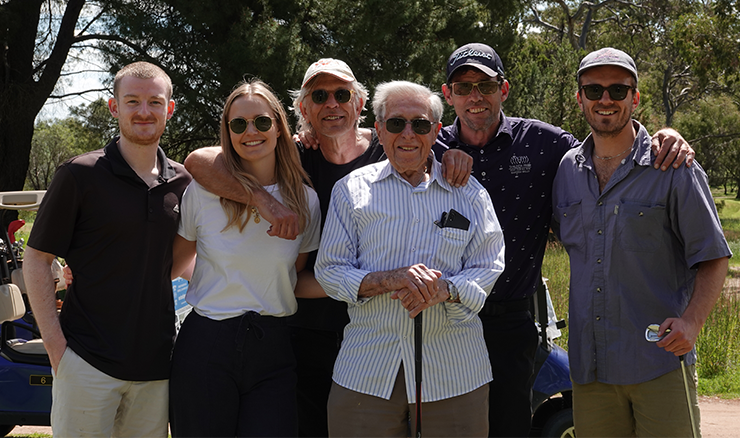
(116, 234)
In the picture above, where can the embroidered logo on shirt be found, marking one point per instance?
(519, 165)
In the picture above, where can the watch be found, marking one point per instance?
(452, 289)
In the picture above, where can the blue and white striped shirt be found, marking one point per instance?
(376, 222)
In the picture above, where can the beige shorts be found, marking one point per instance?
(90, 403)
(656, 408)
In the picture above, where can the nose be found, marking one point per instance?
(475, 93)
(408, 131)
(144, 108)
(251, 127)
(331, 101)
(605, 96)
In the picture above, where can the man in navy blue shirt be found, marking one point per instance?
(515, 160)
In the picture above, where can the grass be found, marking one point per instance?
(718, 346)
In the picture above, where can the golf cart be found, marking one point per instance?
(25, 388)
(552, 402)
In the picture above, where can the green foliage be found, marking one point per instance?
(713, 128)
(54, 142)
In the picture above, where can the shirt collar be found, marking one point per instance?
(121, 167)
(504, 128)
(641, 151)
(436, 175)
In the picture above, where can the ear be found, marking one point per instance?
(170, 109)
(447, 92)
(303, 110)
(635, 99)
(360, 106)
(504, 90)
(113, 107)
(578, 99)
(380, 132)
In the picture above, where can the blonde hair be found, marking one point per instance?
(289, 173)
(142, 70)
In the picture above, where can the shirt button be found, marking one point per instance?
(481, 151)
(642, 214)
(413, 249)
(565, 214)
(600, 203)
(599, 232)
(484, 174)
(598, 318)
(598, 260)
(598, 289)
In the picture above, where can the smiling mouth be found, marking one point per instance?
(605, 113)
(252, 143)
(332, 118)
(477, 110)
(407, 148)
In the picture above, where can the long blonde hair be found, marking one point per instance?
(289, 173)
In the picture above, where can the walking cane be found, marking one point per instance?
(417, 350)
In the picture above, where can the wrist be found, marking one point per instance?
(454, 293)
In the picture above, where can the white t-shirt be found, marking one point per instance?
(238, 272)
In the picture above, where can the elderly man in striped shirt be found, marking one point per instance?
(400, 240)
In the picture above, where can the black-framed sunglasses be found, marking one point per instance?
(616, 91)
(341, 95)
(239, 124)
(465, 88)
(396, 125)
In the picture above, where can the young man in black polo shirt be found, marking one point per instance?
(112, 214)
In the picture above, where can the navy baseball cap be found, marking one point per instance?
(607, 56)
(476, 55)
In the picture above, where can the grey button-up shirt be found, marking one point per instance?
(634, 251)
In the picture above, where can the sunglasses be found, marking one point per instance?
(465, 88)
(341, 96)
(239, 124)
(396, 125)
(616, 91)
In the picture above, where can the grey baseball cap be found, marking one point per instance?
(607, 56)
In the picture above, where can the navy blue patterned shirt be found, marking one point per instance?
(517, 167)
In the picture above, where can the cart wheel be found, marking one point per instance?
(560, 425)
(6, 428)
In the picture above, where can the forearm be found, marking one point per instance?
(378, 283)
(208, 168)
(307, 286)
(42, 298)
(710, 279)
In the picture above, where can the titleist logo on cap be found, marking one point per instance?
(468, 53)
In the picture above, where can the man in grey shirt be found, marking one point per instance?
(645, 248)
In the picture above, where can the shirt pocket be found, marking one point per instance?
(571, 222)
(451, 244)
(640, 226)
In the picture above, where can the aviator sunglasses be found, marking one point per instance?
(342, 96)
(465, 88)
(616, 91)
(396, 125)
(239, 124)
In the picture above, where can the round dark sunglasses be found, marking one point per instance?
(396, 125)
(239, 124)
(616, 91)
(341, 96)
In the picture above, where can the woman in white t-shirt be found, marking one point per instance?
(233, 371)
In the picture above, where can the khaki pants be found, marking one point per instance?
(353, 414)
(656, 408)
(89, 403)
